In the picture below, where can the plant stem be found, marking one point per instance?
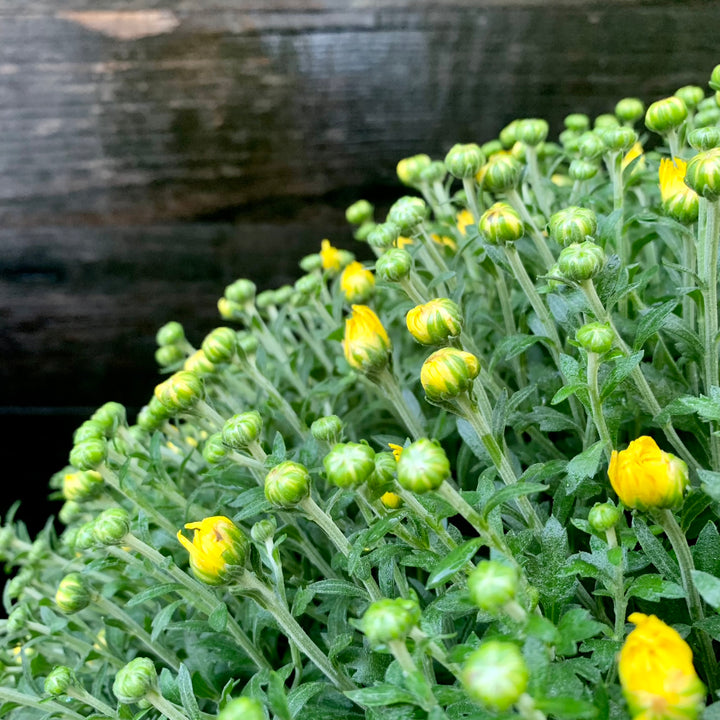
(470, 187)
(389, 384)
(537, 237)
(14, 696)
(619, 598)
(593, 364)
(84, 696)
(168, 709)
(400, 652)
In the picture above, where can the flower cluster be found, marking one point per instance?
(442, 479)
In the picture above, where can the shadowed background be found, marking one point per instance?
(152, 152)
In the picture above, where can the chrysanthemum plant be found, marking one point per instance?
(477, 478)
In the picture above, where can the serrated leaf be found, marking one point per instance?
(453, 562)
(187, 694)
(576, 625)
(566, 391)
(623, 367)
(653, 588)
(710, 483)
(277, 698)
(218, 618)
(708, 586)
(510, 347)
(511, 492)
(549, 420)
(380, 695)
(584, 465)
(706, 551)
(567, 708)
(299, 696)
(470, 438)
(153, 592)
(653, 548)
(163, 618)
(651, 321)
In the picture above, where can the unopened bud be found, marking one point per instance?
(328, 429)
(464, 161)
(242, 708)
(383, 235)
(603, 516)
(311, 263)
(435, 321)
(359, 212)
(714, 81)
(219, 345)
(619, 139)
(591, 145)
(577, 122)
(243, 429)
(703, 174)
(309, 285)
(134, 680)
(111, 526)
(423, 466)
(595, 337)
(357, 283)
(605, 121)
(495, 674)
(111, 416)
(214, 451)
(171, 333)
(581, 169)
(531, 131)
(169, 355)
(408, 169)
(85, 536)
(447, 373)
(572, 225)
(59, 680)
(88, 454)
(382, 477)
(691, 95)
(630, 110)
(89, 430)
(180, 392)
(393, 265)
(386, 620)
(492, 584)
(665, 115)
(241, 291)
(508, 135)
(287, 484)
(263, 530)
(501, 224)
(581, 261)
(82, 485)
(435, 172)
(199, 365)
(349, 464)
(407, 213)
(704, 138)
(17, 620)
(502, 173)
(73, 594)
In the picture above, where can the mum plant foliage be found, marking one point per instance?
(477, 478)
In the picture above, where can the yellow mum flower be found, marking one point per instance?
(657, 674)
(366, 344)
(646, 477)
(443, 240)
(402, 241)
(396, 450)
(679, 201)
(391, 500)
(447, 373)
(218, 547)
(435, 321)
(636, 151)
(357, 283)
(330, 257)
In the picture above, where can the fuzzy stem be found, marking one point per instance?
(593, 365)
(389, 384)
(167, 708)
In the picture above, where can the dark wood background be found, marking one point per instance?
(152, 152)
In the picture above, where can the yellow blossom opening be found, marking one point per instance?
(356, 283)
(391, 500)
(402, 241)
(463, 220)
(366, 344)
(396, 450)
(330, 256)
(636, 151)
(657, 674)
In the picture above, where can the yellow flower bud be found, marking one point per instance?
(657, 674)
(447, 373)
(366, 344)
(645, 477)
(357, 283)
(435, 321)
(330, 257)
(679, 201)
(218, 548)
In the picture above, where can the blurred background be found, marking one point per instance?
(152, 152)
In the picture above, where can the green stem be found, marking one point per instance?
(70, 641)
(14, 696)
(593, 365)
(679, 543)
(537, 237)
(400, 652)
(620, 600)
(428, 518)
(389, 384)
(167, 708)
(84, 696)
(689, 260)
(536, 180)
(470, 187)
(272, 391)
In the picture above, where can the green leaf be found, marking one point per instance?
(187, 694)
(576, 625)
(470, 438)
(510, 347)
(153, 592)
(711, 712)
(706, 551)
(708, 586)
(566, 391)
(549, 420)
(163, 618)
(622, 368)
(380, 695)
(710, 483)
(277, 698)
(567, 708)
(453, 562)
(653, 548)
(217, 619)
(584, 465)
(653, 588)
(298, 697)
(651, 321)
(511, 492)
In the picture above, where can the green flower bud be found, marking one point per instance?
(362, 232)
(82, 485)
(89, 430)
(169, 355)
(17, 620)
(16, 585)
(171, 333)
(148, 420)
(383, 235)
(180, 392)
(73, 594)
(349, 464)
(501, 224)
(230, 310)
(577, 122)
(219, 345)
(703, 174)
(435, 172)
(707, 118)
(85, 536)
(704, 138)
(448, 373)
(591, 146)
(691, 95)
(423, 466)
(531, 131)
(241, 291)
(241, 430)
(386, 620)
(407, 213)
(570, 140)
(502, 173)
(69, 512)
(619, 139)
(381, 479)
(491, 147)
(581, 261)
(359, 212)
(265, 299)
(214, 451)
(68, 537)
(133, 681)
(198, 364)
(394, 265)
(464, 161)
(435, 321)
(89, 454)
(287, 484)
(263, 530)
(714, 81)
(283, 295)
(328, 429)
(495, 675)
(408, 169)
(59, 680)
(605, 121)
(603, 516)
(242, 708)
(581, 169)
(665, 115)
(247, 345)
(508, 135)
(492, 584)
(630, 110)
(595, 337)
(310, 263)
(572, 225)
(111, 526)
(111, 416)
(309, 285)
